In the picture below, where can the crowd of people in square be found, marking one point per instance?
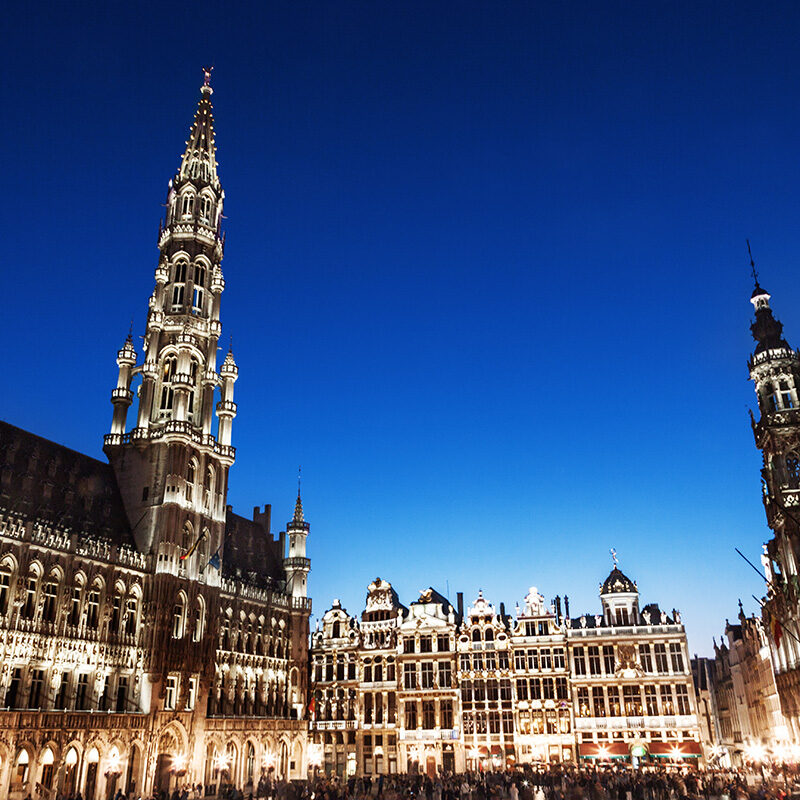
(557, 782)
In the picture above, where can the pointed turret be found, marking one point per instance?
(296, 564)
(199, 162)
(298, 509)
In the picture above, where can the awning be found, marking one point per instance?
(603, 751)
(483, 750)
(676, 750)
(496, 751)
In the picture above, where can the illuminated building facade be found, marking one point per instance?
(749, 719)
(631, 680)
(148, 634)
(775, 371)
(543, 707)
(485, 690)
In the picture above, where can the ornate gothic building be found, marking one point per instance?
(433, 687)
(149, 634)
(775, 371)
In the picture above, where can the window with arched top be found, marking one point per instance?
(194, 374)
(168, 370)
(179, 616)
(50, 597)
(199, 619)
(476, 634)
(129, 620)
(31, 595)
(6, 575)
(93, 607)
(191, 476)
(200, 274)
(187, 205)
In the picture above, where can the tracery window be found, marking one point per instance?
(93, 608)
(50, 591)
(187, 205)
(167, 377)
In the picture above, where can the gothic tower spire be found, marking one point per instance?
(775, 370)
(180, 460)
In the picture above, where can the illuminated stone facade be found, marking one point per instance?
(748, 713)
(482, 689)
(148, 634)
(775, 371)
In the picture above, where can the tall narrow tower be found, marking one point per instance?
(173, 465)
(296, 565)
(775, 370)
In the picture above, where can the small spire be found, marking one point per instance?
(752, 265)
(130, 333)
(199, 160)
(298, 506)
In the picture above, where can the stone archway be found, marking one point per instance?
(166, 753)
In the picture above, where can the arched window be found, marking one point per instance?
(6, 574)
(179, 617)
(200, 275)
(476, 634)
(251, 762)
(180, 271)
(47, 768)
(187, 205)
(205, 208)
(93, 607)
(208, 483)
(70, 771)
(129, 620)
(199, 620)
(167, 392)
(186, 536)
(198, 298)
(75, 601)
(50, 596)
(21, 772)
(31, 592)
(194, 373)
(489, 637)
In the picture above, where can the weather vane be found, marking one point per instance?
(207, 75)
(752, 262)
(613, 556)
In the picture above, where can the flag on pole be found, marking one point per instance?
(214, 561)
(191, 550)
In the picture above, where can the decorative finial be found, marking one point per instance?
(298, 506)
(207, 75)
(299, 476)
(130, 332)
(230, 344)
(613, 556)
(752, 263)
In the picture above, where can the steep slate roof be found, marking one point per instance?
(42, 480)
(251, 553)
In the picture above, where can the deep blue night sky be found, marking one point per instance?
(486, 271)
